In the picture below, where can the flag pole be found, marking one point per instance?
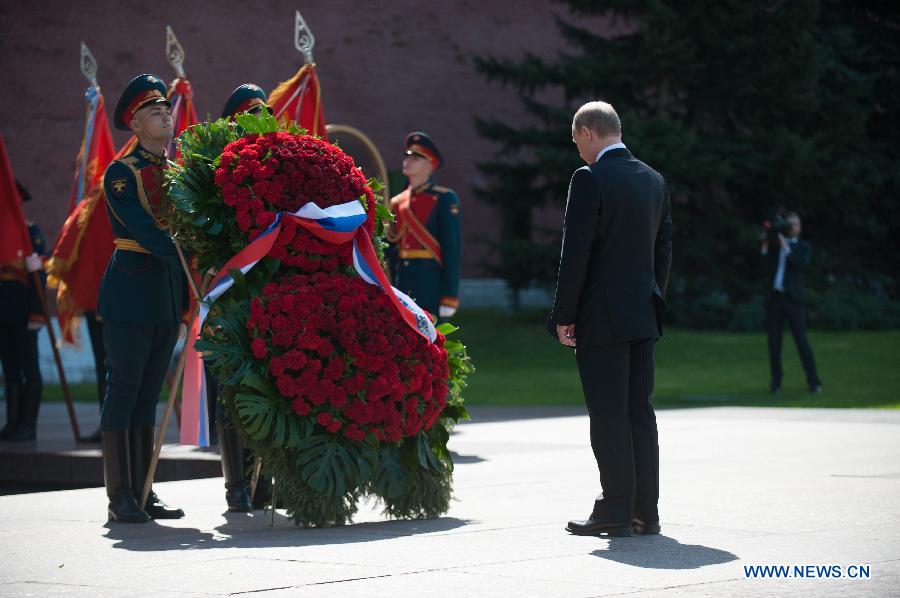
(179, 371)
(39, 289)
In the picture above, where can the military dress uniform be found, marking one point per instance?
(236, 461)
(143, 297)
(426, 238)
(21, 315)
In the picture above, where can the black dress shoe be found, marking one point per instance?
(124, 508)
(592, 527)
(157, 509)
(93, 438)
(238, 499)
(645, 527)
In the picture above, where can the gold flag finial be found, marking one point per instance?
(304, 40)
(174, 52)
(88, 65)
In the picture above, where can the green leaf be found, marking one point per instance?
(328, 465)
(264, 421)
(383, 212)
(447, 328)
(427, 458)
(389, 477)
(240, 282)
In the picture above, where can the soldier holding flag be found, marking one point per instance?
(142, 298)
(21, 317)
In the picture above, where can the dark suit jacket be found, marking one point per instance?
(795, 265)
(616, 252)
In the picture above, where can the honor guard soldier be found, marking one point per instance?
(143, 296)
(236, 461)
(425, 237)
(249, 98)
(21, 316)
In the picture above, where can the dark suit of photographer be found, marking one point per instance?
(786, 257)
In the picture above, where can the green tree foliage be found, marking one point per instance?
(743, 106)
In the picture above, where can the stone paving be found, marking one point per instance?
(741, 487)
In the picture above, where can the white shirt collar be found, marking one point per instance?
(619, 145)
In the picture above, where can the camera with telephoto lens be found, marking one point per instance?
(778, 223)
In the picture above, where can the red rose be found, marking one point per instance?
(258, 346)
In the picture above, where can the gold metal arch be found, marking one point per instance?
(336, 131)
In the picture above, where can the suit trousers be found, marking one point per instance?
(617, 381)
(781, 308)
(137, 359)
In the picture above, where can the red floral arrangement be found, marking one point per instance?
(337, 350)
(261, 175)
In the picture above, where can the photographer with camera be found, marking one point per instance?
(786, 257)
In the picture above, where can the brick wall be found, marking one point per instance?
(385, 67)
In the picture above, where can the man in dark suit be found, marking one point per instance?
(616, 254)
(785, 295)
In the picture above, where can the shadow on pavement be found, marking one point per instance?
(242, 530)
(465, 459)
(662, 552)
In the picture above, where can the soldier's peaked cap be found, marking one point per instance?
(246, 97)
(420, 144)
(144, 90)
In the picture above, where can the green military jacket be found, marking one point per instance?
(144, 282)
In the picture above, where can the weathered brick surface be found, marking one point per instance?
(385, 67)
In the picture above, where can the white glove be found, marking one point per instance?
(33, 263)
(445, 311)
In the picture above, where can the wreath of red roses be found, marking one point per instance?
(261, 175)
(338, 352)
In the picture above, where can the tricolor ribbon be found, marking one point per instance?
(337, 224)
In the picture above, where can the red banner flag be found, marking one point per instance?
(183, 114)
(85, 241)
(299, 99)
(15, 243)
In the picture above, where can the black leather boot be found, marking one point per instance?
(123, 505)
(237, 491)
(141, 455)
(93, 437)
(262, 498)
(29, 405)
(12, 410)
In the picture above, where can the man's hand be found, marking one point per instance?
(445, 311)
(566, 334)
(182, 331)
(33, 262)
